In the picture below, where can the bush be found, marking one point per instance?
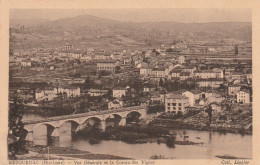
(170, 142)
(129, 137)
(105, 135)
(155, 109)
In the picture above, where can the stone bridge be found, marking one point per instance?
(77, 120)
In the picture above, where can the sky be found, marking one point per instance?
(142, 15)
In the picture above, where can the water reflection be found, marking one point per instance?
(214, 144)
(210, 136)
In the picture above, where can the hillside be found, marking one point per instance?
(91, 31)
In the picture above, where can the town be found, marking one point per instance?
(175, 83)
(195, 82)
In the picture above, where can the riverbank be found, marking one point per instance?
(179, 124)
(39, 152)
(135, 134)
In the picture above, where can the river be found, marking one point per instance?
(214, 143)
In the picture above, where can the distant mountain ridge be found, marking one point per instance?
(88, 24)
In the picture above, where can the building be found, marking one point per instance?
(176, 73)
(97, 92)
(68, 46)
(192, 96)
(204, 74)
(78, 81)
(181, 59)
(69, 91)
(50, 90)
(47, 94)
(216, 108)
(176, 103)
(209, 83)
(185, 75)
(215, 98)
(115, 104)
(119, 92)
(85, 58)
(159, 72)
(148, 88)
(26, 63)
(39, 94)
(145, 70)
(107, 65)
(243, 96)
(233, 89)
(52, 68)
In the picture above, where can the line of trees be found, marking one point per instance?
(16, 131)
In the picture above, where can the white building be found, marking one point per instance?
(145, 70)
(181, 59)
(26, 63)
(119, 92)
(192, 96)
(97, 92)
(115, 104)
(216, 73)
(39, 94)
(209, 83)
(243, 96)
(176, 103)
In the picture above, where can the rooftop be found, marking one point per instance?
(119, 88)
(175, 96)
(107, 61)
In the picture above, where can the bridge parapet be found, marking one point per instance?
(94, 113)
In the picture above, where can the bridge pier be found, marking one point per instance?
(29, 136)
(55, 132)
(122, 122)
(103, 125)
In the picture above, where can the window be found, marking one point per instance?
(174, 108)
(169, 104)
(173, 104)
(179, 108)
(179, 104)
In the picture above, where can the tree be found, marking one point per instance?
(104, 73)
(88, 83)
(117, 69)
(155, 109)
(170, 142)
(136, 84)
(209, 110)
(16, 131)
(161, 82)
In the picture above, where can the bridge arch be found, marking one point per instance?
(115, 115)
(95, 118)
(69, 120)
(46, 123)
(134, 111)
(133, 116)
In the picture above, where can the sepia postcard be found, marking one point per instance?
(129, 82)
